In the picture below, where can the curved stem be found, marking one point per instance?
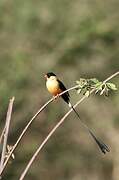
(27, 127)
(112, 76)
(47, 138)
(55, 128)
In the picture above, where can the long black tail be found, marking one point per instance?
(104, 148)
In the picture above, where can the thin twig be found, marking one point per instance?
(47, 138)
(27, 126)
(112, 76)
(55, 128)
(31, 121)
(7, 124)
(2, 134)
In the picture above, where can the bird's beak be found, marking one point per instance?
(45, 76)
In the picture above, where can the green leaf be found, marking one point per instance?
(77, 82)
(111, 86)
(79, 91)
(86, 85)
(99, 85)
(94, 80)
(87, 94)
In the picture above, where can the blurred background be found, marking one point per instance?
(72, 38)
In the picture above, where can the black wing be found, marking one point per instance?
(65, 96)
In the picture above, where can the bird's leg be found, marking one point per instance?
(55, 97)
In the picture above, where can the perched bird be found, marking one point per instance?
(55, 87)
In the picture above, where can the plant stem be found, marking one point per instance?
(55, 128)
(47, 138)
(112, 76)
(2, 134)
(27, 126)
(7, 124)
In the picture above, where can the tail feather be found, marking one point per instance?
(103, 147)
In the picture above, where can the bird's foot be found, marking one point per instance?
(55, 97)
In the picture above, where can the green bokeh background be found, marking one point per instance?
(72, 38)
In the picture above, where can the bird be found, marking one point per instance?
(55, 87)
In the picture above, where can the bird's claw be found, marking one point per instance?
(55, 97)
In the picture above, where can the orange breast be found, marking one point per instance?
(53, 87)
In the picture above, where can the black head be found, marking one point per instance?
(50, 74)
